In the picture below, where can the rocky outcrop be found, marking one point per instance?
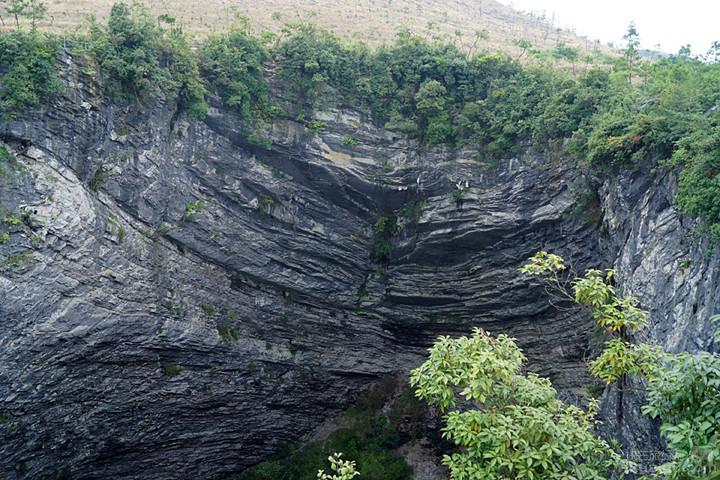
(178, 303)
(661, 260)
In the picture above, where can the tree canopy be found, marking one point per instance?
(510, 425)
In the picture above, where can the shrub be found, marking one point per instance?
(370, 444)
(232, 63)
(136, 55)
(12, 219)
(98, 180)
(312, 58)
(171, 369)
(349, 141)
(385, 228)
(342, 469)
(28, 62)
(228, 333)
(699, 192)
(265, 205)
(192, 210)
(686, 396)
(5, 155)
(316, 125)
(208, 308)
(16, 260)
(412, 211)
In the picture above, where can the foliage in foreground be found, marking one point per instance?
(686, 396)
(683, 389)
(618, 316)
(516, 428)
(342, 469)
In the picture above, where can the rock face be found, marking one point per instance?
(676, 277)
(177, 303)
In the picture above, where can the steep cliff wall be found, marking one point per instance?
(175, 303)
(676, 276)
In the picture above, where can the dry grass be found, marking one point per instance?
(368, 21)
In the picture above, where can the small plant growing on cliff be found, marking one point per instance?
(208, 308)
(457, 196)
(413, 211)
(514, 426)
(349, 141)
(193, 209)
(228, 333)
(98, 180)
(265, 205)
(341, 469)
(5, 155)
(171, 369)
(316, 126)
(12, 219)
(17, 261)
(385, 228)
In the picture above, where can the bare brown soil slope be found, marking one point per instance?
(370, 21)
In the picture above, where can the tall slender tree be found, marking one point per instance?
(632, 49)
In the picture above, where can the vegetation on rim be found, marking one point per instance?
(611, 116)
(616, 116)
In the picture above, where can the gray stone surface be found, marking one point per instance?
(673, 272)
(111, 361)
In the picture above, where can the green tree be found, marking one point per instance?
(567, 53)
(433, 118)
(523, 45)
(683, 389)
(232, 63)
(631, 53)
(137, 56)
(618, 316)
(312, 59)
(713, 53)
(28, 61)
(384, 229)
(511, 426)
(342, 469)
(32, 10)
(686, 396)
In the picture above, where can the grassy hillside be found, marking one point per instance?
(370, 21)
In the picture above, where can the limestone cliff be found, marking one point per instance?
(178, 303)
